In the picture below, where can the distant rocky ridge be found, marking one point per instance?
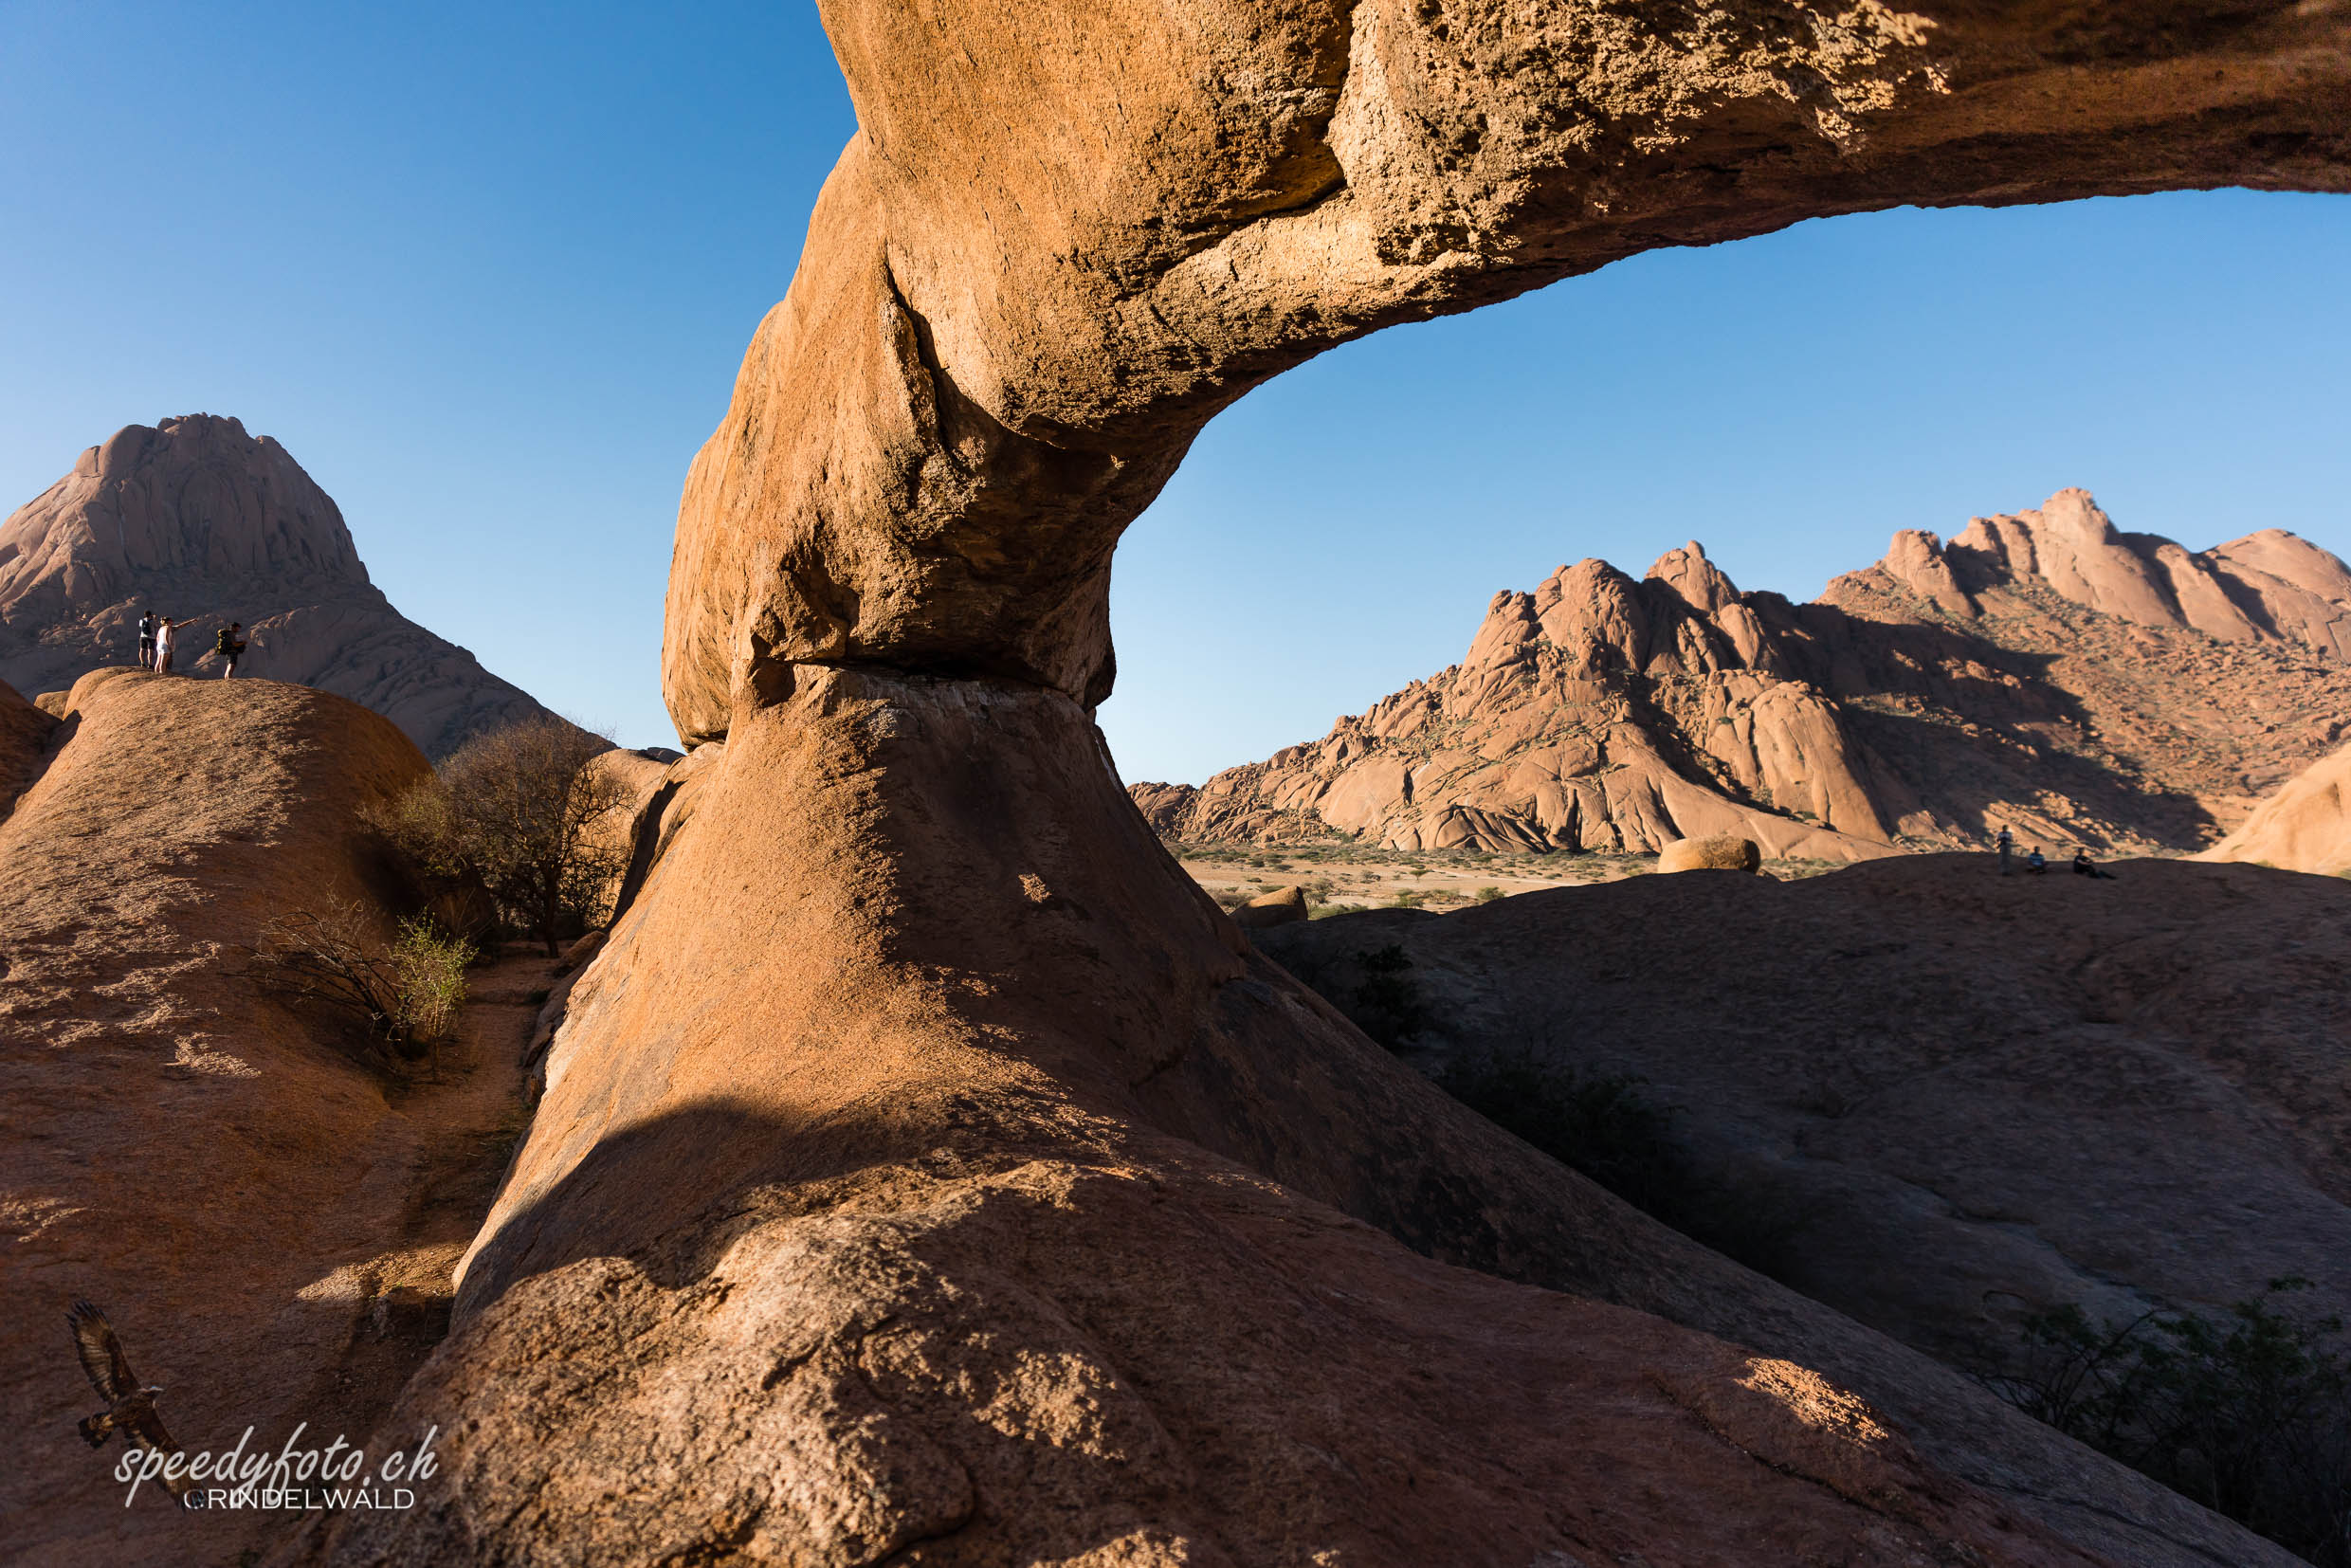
(197, 518)
(2042, 671)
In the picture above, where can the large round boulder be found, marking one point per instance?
(1279, 907)
(1723, 852)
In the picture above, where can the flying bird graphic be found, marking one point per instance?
(130, 1405)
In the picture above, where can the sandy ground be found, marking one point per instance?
(1344, 877)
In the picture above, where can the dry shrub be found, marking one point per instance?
(514, 811)
(402, 1000)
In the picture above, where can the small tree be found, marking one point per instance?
(518, 810)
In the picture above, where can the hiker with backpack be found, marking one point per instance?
(146, 640)
(230, 647)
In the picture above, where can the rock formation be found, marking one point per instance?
(173, 1143)
(2044, 672)
(2305, 827)
(1937, 1099)
(195, 519)
(1722, 853)
(1280, 906)
(866, 1131)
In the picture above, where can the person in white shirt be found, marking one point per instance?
(164, 626)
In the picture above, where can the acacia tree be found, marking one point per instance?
(522, 811)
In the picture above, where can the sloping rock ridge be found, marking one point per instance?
(2061, 1091)
(2305, 827)
(198, 520)
(2043, 671)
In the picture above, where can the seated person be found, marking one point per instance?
(2081, 866)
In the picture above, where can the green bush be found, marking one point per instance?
(428, 977)
(1489, 895)
(402, 999)
(2248, 1413)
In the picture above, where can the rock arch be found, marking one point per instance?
(836, 1227)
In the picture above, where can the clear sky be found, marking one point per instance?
(487, 271)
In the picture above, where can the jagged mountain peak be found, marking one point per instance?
(197, 518)
(2043, 670)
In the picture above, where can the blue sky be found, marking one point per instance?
(488, 270)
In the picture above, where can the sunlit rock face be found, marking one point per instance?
(2043, 672)
(917, 1105)
(195, 519)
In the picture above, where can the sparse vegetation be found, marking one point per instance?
(401, 1000)
(514, 811)
(2248, 1413)
(1489, 895)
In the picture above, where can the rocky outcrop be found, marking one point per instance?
(199, 1158)
(2043, 673)
(2305, 827)
(1933, 1098)
(1278, 907)
(1711, 854)
(198, 520)
(914, 1039)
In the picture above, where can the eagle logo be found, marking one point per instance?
(130, 1404)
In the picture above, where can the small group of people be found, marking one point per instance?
(2036, 863)
(157, 633)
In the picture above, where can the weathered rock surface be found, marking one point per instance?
(177, 1145)
(1710, 854)
(2305, 827)
(909, 941)
(1001, 1211)
(197, 519)
(2043, 673)
(986, 366)
(1934, 1097)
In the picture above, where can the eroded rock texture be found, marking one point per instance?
(1066, 234)
(197, 520)
(863, 1132)
(194, 1154)
(2044, 672)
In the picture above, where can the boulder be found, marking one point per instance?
(2164, 1132)
(1723, 853)
(1279, 907)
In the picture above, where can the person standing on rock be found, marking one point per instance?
(230, 647)
(146, 640)
(2006, 843)
(165, 626)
